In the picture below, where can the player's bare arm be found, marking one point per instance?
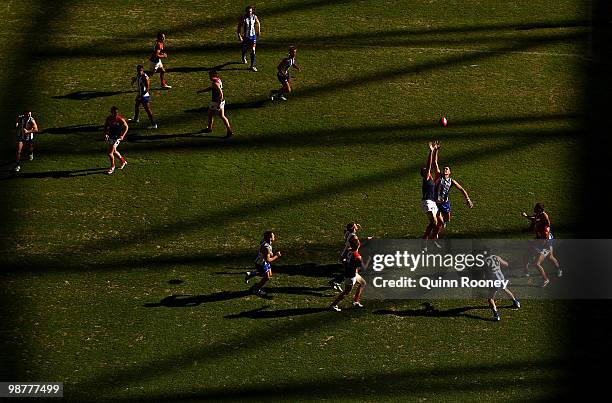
(468, 201)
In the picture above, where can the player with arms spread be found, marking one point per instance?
(283, 75)
(444, 183)
(156, 59)
(248, 30)
(263, 261)
(115, 129)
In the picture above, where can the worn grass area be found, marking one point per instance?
(89, 259)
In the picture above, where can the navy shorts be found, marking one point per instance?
(283, 79)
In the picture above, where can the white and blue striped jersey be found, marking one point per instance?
(248, 24)
(261, 259)
(141, 83)
(443, 188)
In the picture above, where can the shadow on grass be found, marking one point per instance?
(182, 301)
(86, 95)
(55, 174)
(261, 313)
(137, 138)
(429, 310)
(304, 269)
(81, 128)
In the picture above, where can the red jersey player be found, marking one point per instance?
(543, 245)
(115, 129)
(155, 59)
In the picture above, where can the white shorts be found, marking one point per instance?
(429, 205)
(216, 106)
(155, 66)
(113, 142)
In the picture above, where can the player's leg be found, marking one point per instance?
(211, 115)
(555, 262)
(136, 110)
(264, 279)
(538, 263)
(225, 122)
(31, 149)
(515, 302)
(162, 75)
(433, 223)
(111, 157)
(360, 287)
(244, 46)
(18, 155)
(491, 302)
(147, 107)
(253, 56)
(348, 286)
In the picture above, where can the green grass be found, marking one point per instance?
(89, 257)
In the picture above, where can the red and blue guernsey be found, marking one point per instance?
(353, 264)
(158, 46)
(216, 91)
(115, 126)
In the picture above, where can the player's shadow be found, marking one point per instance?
(181, 301)
(86, 95)
(262, 313)
(233, 106)
(305, 269)
(137, 138)
(56, 174)
(73, 129)
(196, 69)
(429, 310)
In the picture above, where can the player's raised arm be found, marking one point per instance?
(430, 159)
(468, 201)
(436, 152)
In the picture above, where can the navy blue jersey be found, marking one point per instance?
(429, 189)
(353, 264)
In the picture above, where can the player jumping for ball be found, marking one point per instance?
(26, 127)
(444, 183)
(156, 59)
(542, 246)
(115, 129)
(351, 276)
(143, 97)
(263, 261)
(248, 30)
(428, 201)
(283, 75)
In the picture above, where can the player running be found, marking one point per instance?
(156, 59)
(350, 232)
(26, 127)
(351, 276)
(444, 183)
(283, 75)
(493, 265)
(143, 98)
(263, 261)
(428, 201)
(217, 104)
(248, 30)
(115, 129)
(542, 247)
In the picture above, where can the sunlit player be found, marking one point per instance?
(283, 75)
(217, 104)
(428, 200)
(248, 30)
(143, 96)
(263, 261)
(493, 266)
(444, 183)
(351, 276)
(542, 247)
(156, 59)
(115, 129)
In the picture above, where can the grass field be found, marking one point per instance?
(130, 286)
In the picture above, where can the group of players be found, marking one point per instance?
(436, 183)
(436, 205)
(116, 127)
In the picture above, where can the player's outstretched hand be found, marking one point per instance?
(278, 254)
